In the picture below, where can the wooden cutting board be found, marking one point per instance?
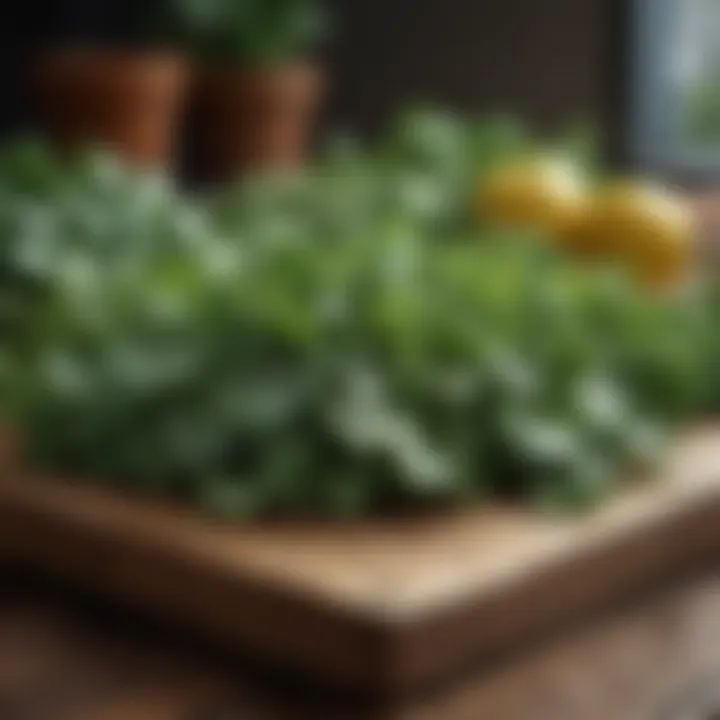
(386, 606)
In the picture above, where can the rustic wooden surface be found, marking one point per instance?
(69, 656)
(659, 661)
(382, 606)
(64, 657)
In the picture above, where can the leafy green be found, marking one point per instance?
(335, 342)
(255, 32)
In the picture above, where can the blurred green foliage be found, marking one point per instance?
(247, 32)
(339, 341)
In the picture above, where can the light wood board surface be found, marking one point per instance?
(386, 605)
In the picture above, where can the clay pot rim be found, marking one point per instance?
(301, 76)
(300, 66)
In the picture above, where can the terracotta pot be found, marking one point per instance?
(130, 101)
(256, 119)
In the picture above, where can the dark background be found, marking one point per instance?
(550, 60)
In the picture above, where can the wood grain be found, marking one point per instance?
(658, 661)
(67, 658)
(386, 606)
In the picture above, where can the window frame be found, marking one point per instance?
(651, 140)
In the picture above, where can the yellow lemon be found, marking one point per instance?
(543, 193)
(646, 225)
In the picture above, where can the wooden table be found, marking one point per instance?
(68, 656)
(64, 656)
(490, 614)
(615, 616)
(383, 607)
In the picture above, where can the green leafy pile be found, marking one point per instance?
(64, 219)
(339, 342)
